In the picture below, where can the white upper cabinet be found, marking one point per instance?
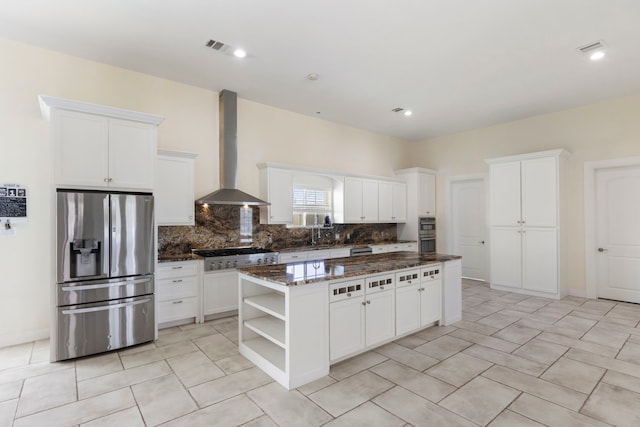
(276, 187)
(525, 193)
(175, 188)
(426, 194)
(360, 200)
(392, 201)
(101, 147)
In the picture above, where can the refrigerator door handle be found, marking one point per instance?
(105, 307)
(104, 285)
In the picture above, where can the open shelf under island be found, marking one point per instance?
(297, 319)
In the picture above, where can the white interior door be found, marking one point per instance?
(468, 227)
(618, 233)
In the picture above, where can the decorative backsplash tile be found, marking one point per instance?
(231, 226)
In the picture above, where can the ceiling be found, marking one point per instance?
(457, 64)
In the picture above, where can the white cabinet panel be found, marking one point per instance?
(286, 257)
(276, 187)
(132, 154)
(81, 148)
(506, 257)
(430, 302)
(540, 255)
(385, 201)
(346, 328)
(380, 317)
(407, 309)
(370, 200)
(505, 194)
(392, 201)
(539, 192)
(174, 196)
(220, 292)
(427, 194)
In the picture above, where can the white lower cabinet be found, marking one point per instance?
(361, 314)
(418, 298)
(177, 291)
(220, 292)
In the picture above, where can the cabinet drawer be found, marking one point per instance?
(408, 277)
(179, 287)
(431, 272)
(292, 257)
(378, 249)
(380, 283)
(178, 309)
(177, 269)
(346, 290)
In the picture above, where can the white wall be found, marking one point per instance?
(265, 134)
(604, 130)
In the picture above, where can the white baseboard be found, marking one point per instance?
(23, 337)
(582, 293)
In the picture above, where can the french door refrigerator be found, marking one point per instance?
(105, 265)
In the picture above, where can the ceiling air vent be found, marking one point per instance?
(397, 109)
(590, 48)
(217, 45)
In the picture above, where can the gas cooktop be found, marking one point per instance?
(230, 258)
(242, 250)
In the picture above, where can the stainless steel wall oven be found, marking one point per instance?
(427, 234)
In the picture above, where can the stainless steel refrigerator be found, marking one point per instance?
(105, 265)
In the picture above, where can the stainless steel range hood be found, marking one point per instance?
(229, 193)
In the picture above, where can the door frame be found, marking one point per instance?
(448, 191)
(590, 169)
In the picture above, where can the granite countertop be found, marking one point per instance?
(180, 257)
(340, 246)
(300, 273)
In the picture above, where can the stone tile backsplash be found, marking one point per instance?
(230, 226)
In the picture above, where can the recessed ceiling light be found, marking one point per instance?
(239, 53)
(313, 76)
(408, 113)
(597, 55)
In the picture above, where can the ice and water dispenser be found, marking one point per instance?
(85, 258)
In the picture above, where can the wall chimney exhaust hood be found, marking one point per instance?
(229, 193)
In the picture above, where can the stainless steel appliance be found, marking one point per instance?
(427, 235)
(230, 258)
(361, 251)
(105, 266)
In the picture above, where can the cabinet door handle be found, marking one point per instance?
(177, 268)
(106, 180)
(177, 281)
(603, 250)
(481, 242)
(177, 302)
(364, 303)
(382, 288)
(348, 294)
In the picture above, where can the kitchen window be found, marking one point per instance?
(311, 205)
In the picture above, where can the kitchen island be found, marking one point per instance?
(297, 319)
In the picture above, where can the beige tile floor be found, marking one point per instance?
(513, 361)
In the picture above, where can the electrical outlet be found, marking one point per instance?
(348, 236)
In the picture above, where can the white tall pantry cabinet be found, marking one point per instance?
(527, 220)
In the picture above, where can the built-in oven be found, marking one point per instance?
(427, 226)
(427, 235)
(427, 245)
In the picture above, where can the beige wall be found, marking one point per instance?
(605, 130)
(265, 133)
